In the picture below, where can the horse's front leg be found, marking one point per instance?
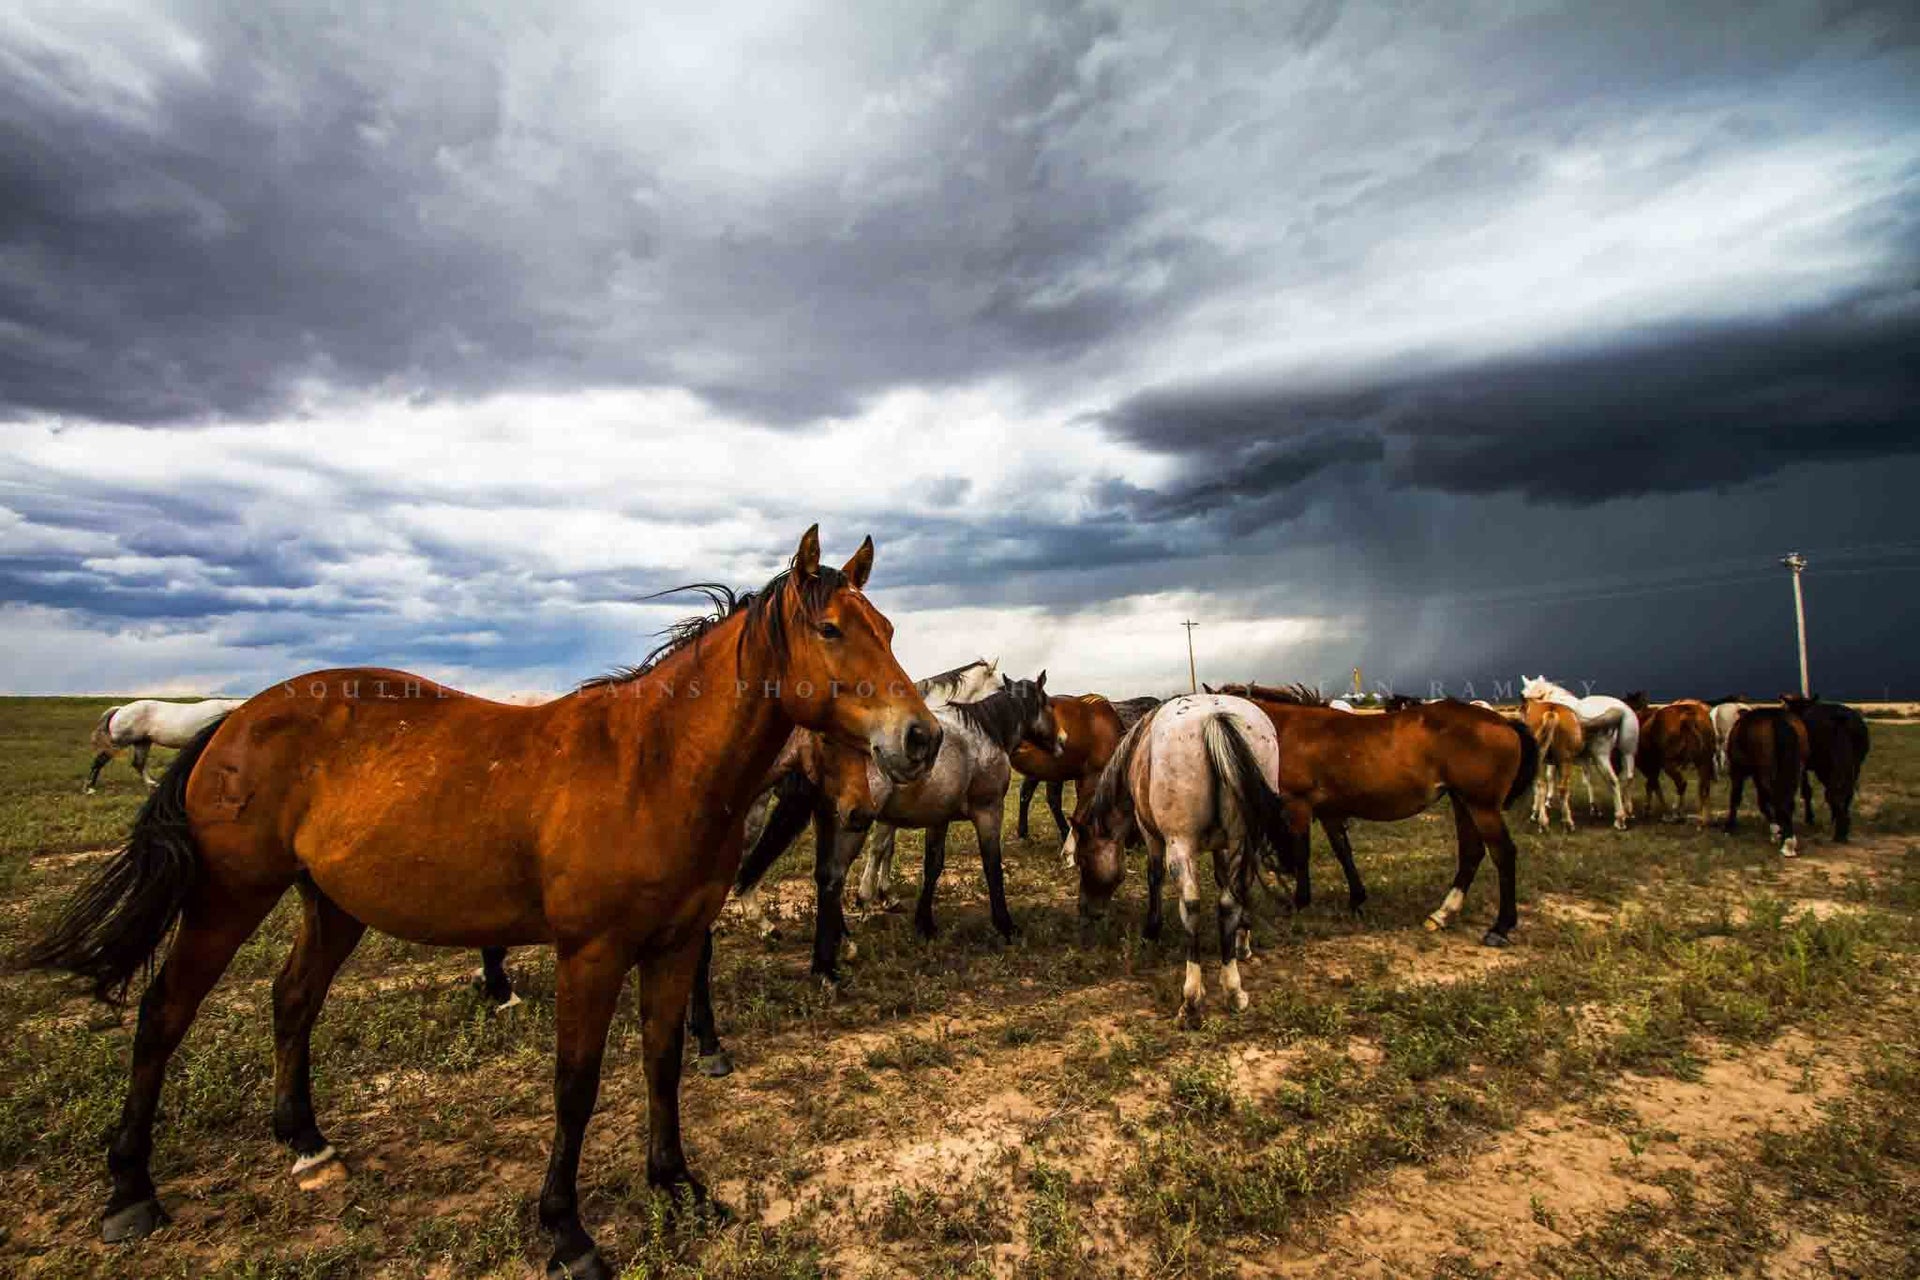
(587, 981)
(1193, 991)
(876, 876)
(986, 830)
(1028, 785)
(1056, 793)
(493, 980)
(93, 774)
(932, 864)
(837, 840)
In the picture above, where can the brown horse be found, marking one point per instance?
(1769, 745)
(606, 823)
(1675, 737)
(1335, 767)
(1088, 730)
(1556, 731)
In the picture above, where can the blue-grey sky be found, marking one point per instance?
(1449, 341)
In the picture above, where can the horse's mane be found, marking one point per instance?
(1132, 709)
(1002, 714)
(1111, 792)
(1299, 695)
(1093, 699)
(942, 688)
(764, 610)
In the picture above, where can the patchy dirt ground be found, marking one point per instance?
(1689, 1032)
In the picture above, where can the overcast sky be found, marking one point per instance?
(1452, 341)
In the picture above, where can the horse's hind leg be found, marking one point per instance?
(1470, 850)
(1028, 785)
(1490, 825)
(986, 830)
(210, 932)
(1736, 783)
(1193, 991)
(713, 1060)
(493, 980)
(1156, 878)
(1056, 794)
(327, 936)
(1230, 872)
(839, 838)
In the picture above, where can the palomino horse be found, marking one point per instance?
(1337, 767)
(1674, 738)
(605, 823)
(1769, 745)
(1608, 723)
(1090, 728)
(1556, 731)
(1196, 775)
(150, 723)
(968, 781)
(1836, 748)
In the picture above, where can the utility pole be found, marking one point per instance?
(1193, 674)
(1798, 563)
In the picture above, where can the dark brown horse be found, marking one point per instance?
(1769, 745)
(1674, 738)
(605, 824)
(1089, 729)
(1335, 767)
(1837, 744)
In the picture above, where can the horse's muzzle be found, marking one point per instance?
(908, 756)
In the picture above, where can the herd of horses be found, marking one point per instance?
(611, 824)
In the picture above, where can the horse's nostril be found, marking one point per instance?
(919, 741)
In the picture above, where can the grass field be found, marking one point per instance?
(1697, 1059)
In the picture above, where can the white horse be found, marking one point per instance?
(1724, 715)
(148, 723)
(1341, 704)
(1197, 775)
(1607, 722)
(978, 679)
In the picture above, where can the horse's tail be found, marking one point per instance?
(1239, 781)
(103, 732)
(116, 921)
(1700, 745)
(1787, 761)
(1529, 760)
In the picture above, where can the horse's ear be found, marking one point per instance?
(1209, 688)
(1006, 682)
(806, 560)
(1040, 681)
(861, 565)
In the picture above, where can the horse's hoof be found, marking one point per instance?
(853, 949)
(323, 1168)
(1189, 1018)
(588, 1266)
(135, 1222)
(1495, 938)
(1435, 924)
(511, 1002)
(1241, 1001)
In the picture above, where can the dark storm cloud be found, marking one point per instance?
(1678, 411)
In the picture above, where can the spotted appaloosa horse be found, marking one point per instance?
(1769, 745)
(1196, 775)
(605, 823)
(148, 723)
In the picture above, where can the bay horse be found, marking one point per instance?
(1089, 729)
(1673, 738)
(147, 723)
(1196, 775)
(1837, 742)
(1335, 767)
(1556, 731)
(1610, 726)
(1769, 745)
(605, 823)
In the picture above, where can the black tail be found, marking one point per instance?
(1787, 762)
(1237, 774)
(119, 918)
(1529, 765)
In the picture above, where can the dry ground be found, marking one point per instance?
(1696, 1059)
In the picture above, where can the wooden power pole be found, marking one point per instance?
(1193, 673)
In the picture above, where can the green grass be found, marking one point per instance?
(1645, 951)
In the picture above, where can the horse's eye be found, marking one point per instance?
(830, 631)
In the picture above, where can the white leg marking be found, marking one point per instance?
(1230, 978)
(1773, 832)
(1244, 948)
(315, 1160)
(1194, 988)
(1792, 847)
(512, 1001)
(1066, 849)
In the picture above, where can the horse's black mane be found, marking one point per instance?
(1003, 714)
(1111, 794)
(762, 608)
(1297, 694)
